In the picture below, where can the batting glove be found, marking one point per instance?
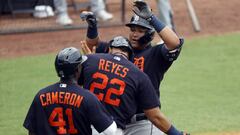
(90, 18)
(141, 9)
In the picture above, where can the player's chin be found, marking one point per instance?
(134, 44)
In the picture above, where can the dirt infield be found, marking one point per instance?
(215, 16)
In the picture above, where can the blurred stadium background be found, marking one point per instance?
(215, 17)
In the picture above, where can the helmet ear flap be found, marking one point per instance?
(146, 38)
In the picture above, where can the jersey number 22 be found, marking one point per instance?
(109, 91)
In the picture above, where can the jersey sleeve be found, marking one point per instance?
(98, 115)
(171, 55)
(30, 120)
(146, 94)
(102, 47)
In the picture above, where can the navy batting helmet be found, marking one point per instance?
(67, 61)
(123, 43)
(138, 21)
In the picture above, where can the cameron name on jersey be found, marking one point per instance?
(61, 98)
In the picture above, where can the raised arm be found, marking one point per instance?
(169, 37)
(92, 38)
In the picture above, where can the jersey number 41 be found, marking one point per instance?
(60, 122)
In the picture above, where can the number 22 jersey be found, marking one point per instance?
(119, 85)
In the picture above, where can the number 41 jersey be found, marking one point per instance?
(119, 85)
(66, 109)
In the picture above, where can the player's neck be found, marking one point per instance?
(69, 81)
(141, 48)
(121, 54)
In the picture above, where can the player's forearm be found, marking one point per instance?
(170, 38)
(92, 42)
(161, 121)
(167, 34)
(92, 38)
(158, 119)
(92, 30)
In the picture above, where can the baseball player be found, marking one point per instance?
(64, 108)
(122, 87)
(153, 60)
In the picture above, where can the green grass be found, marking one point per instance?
(19, 81)
(200, 92)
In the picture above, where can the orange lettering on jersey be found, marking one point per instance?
(107, 66)
(113, 67)
(139, 62)
(125, 70)
(119, 67)
(54, 97)
(42, 101)
(61, 95)
(48, 98)
(61, 98)
(101, 64)
(72, 99)
(66, 97)
(78, 101)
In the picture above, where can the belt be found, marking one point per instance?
(138, 117)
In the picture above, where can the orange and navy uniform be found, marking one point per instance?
(66, 109)
(152, 60)
(119, 85)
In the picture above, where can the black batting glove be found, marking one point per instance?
(141, 9)
(90, 18)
